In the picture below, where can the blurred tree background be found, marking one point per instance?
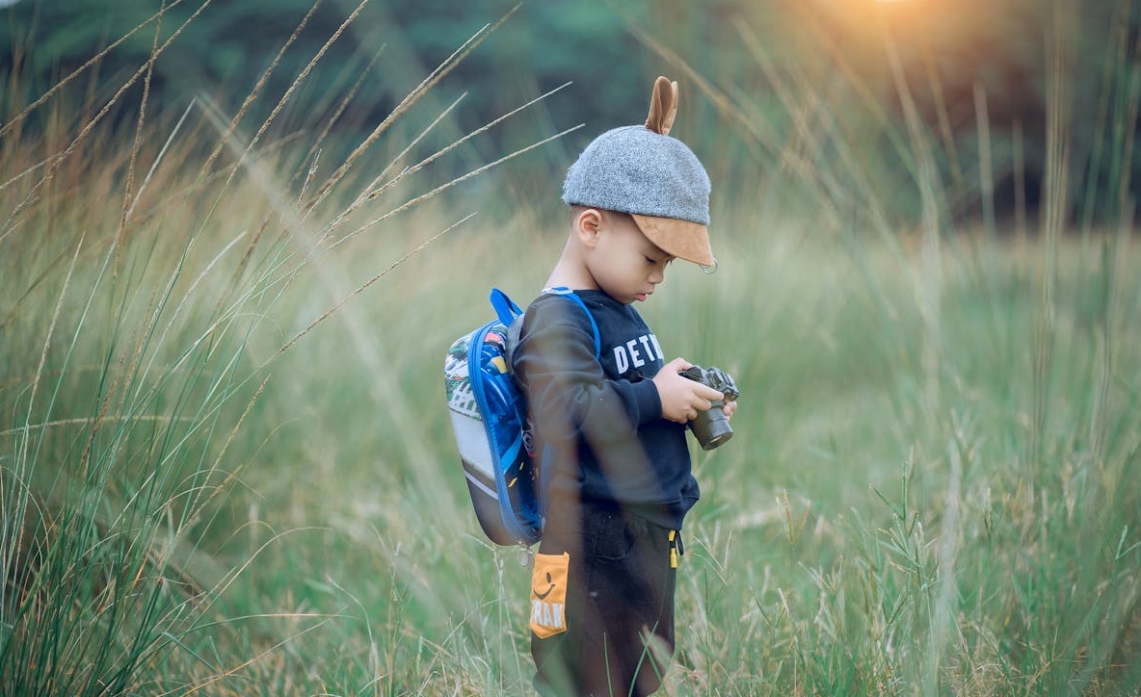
(775, 93)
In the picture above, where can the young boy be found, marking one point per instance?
(610, 417)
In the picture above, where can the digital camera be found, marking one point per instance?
(712, 427)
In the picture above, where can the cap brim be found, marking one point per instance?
(680, 238)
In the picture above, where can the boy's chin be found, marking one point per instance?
(627, 298)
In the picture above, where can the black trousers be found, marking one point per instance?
(619, 637)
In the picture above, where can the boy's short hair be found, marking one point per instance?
(653, 177)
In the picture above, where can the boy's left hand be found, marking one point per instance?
(728, 408)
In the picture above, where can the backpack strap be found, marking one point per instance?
(508, 312)
(568, 293)
(505, 307)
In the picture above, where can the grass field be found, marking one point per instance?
(227, 467)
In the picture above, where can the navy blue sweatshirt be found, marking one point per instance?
(598, 423)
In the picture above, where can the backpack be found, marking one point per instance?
(491, 424)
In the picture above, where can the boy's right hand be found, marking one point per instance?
(681, 397)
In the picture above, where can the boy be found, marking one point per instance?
(610, 417)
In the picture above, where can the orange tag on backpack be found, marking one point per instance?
(549, 594)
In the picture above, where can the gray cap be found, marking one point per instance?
(652, 176)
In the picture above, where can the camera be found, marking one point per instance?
(712, 427)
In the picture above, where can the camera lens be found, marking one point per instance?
(711, 427)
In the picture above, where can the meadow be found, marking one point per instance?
(226, 466)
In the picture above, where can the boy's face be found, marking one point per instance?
(624, 262)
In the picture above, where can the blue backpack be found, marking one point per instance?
(491, 424)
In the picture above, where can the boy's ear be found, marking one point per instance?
(586, 226)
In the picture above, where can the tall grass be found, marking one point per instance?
(156, 273)
(227, 468)
(936, 461)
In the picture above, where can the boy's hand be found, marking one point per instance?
(681, 397)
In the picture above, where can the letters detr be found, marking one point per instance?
(635, 353)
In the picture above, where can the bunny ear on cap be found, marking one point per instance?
(663, 106)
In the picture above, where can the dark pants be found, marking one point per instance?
(619, 607)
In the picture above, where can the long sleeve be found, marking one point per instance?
(597, 416)
(569, 392)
